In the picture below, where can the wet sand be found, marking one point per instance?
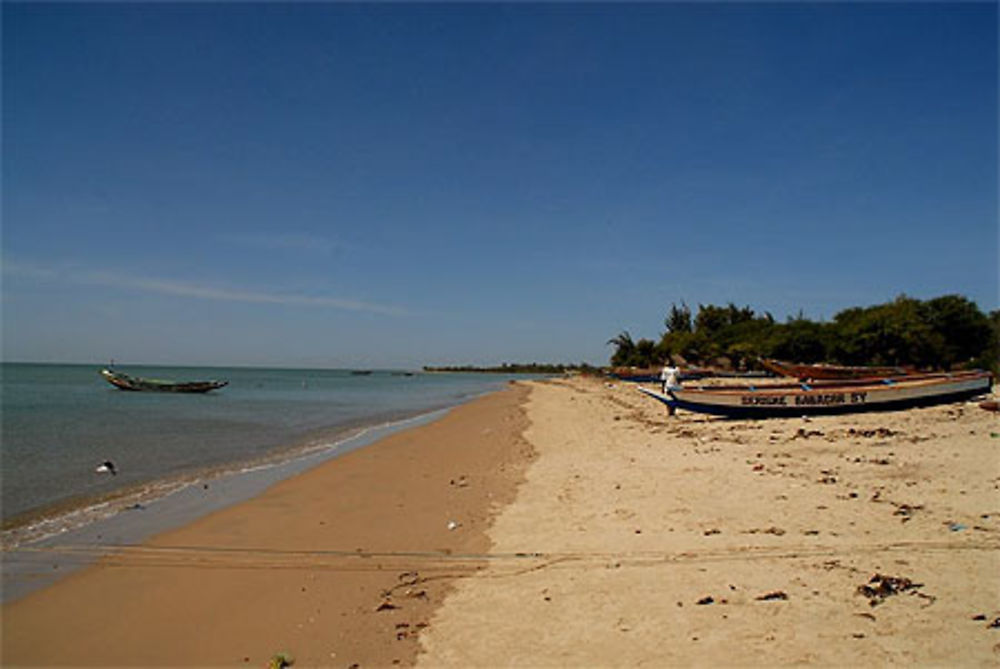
(341, 565)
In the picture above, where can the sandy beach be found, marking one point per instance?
(570, 522)
(699, 541)
(339, 566)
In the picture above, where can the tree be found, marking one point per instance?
(963, 331)
(679, 318)
(991, 356)
(944, 332)
(624, 349)
(711, 319)
(895, 333)
(799, 340)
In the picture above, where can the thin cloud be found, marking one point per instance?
(27, 270)
(203, 292)
(195, 290)
(300, 243)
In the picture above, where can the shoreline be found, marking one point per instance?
(570, 522)
(74, 513)
(61, 422)
(342, 563)
(38, 561)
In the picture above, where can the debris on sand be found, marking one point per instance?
(777, 594)
(409, 578)
(879, 587)
(880, 432)
(281, 660)
(906, 510)
(992, 625)
(776, 531)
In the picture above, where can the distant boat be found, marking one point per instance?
(824, 371)
(826, 398)
(361, 372)
(126, 382)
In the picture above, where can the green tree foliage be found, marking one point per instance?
(964, 332)
(942, 333)
(991, 358)
(629, 353)
(896, 333)
(679, 319)
(800, 340)
(624, 349)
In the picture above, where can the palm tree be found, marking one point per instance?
(624, 351)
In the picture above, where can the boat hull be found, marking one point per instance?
(832, 372)
(889, 395)
(136, 384)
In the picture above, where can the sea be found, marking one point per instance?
(60, 422)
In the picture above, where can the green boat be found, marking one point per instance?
(134, 383)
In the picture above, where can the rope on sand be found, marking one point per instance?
(209, 557)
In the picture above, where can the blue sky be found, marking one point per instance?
(400, 184)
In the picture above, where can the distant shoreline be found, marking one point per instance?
(514, 368)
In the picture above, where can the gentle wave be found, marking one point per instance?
(49, 523)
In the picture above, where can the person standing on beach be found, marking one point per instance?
(669, 378)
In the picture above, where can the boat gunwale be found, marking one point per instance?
(885, 384)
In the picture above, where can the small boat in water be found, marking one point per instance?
(126, 382)
(889, 393)
(825, 371)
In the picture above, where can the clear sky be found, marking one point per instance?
(399, 184)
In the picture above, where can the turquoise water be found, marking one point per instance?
(60, 421)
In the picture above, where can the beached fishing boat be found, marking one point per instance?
(126, 382)
(825, 371)
(886, 394)
(649, 375)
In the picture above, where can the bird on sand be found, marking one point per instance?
(107, 467)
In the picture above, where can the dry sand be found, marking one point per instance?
(608, 535)
(701, 541)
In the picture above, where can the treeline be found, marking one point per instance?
(518, 368)
(948, 332)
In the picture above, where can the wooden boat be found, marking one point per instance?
(886, 394)
(635, 374)
(126, 382)
(824, 371)
(650, 375)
